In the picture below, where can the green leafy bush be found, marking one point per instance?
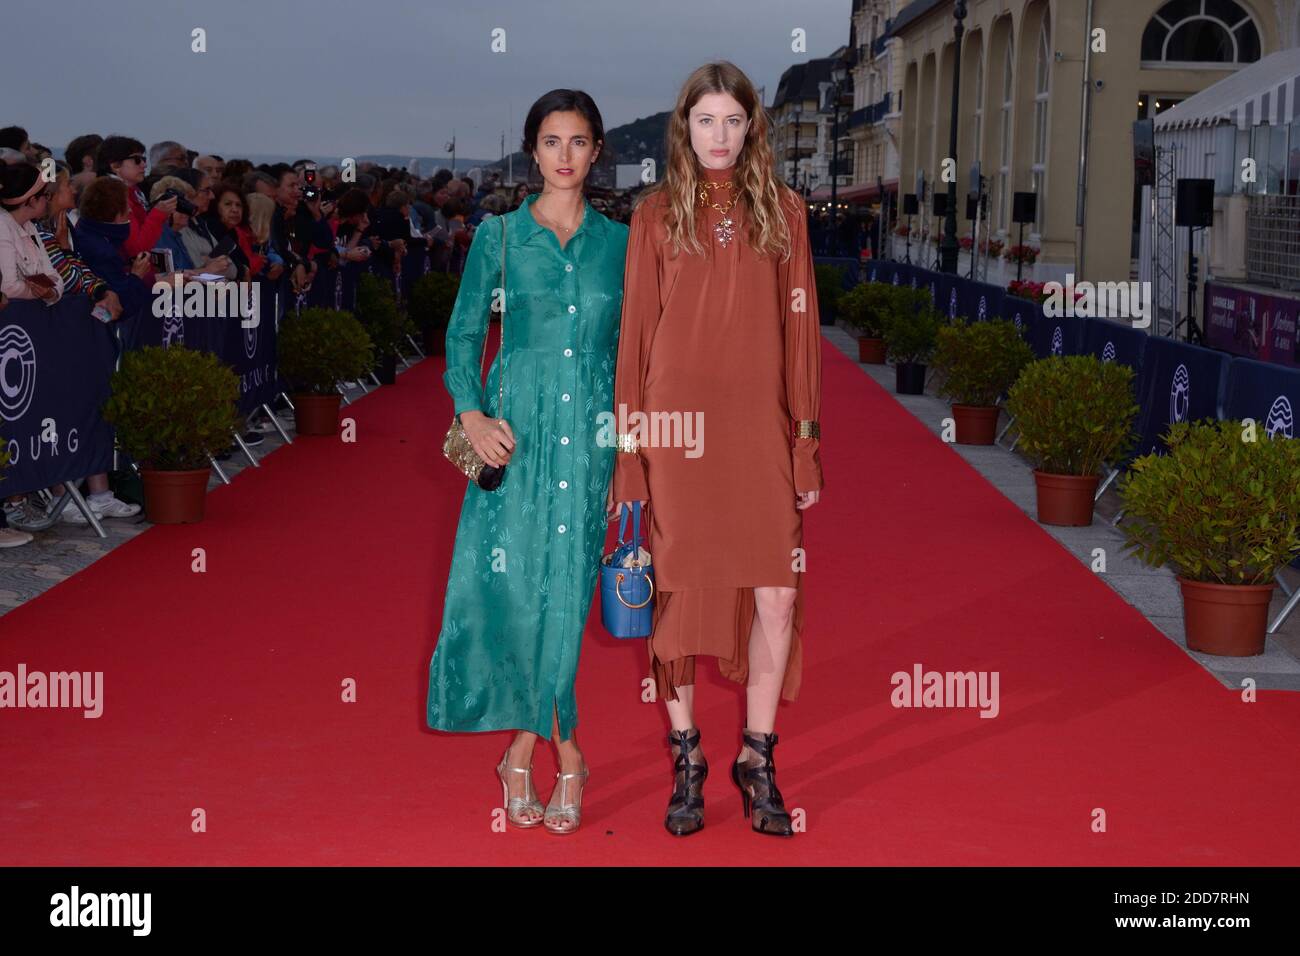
(867, 306)
(910, 325)
(172, 406)
(830, 286)
(1223, 506)
(379, 314)
(319, 347)
(979, 360)
(431, 299)
(1074, 413)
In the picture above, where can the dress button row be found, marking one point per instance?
(564, 397)
(564, 440)
(568, 353)
(572, 309)
(564, 484)
(568, 267)
(562, 529)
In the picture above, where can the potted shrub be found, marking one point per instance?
(171, 408)
(1074, 412)
(319, 348)
(1222, 510)
(865, 307)
(384, 323)
(909, 333)
(830, 289)
(979, 361)
(429, 305)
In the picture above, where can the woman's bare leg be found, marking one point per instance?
(770, 639)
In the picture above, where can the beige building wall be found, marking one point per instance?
(1040, 130)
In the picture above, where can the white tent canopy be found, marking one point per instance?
(1267, 91)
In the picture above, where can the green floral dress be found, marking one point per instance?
(527, 555)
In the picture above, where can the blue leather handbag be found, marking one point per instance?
(627, 593)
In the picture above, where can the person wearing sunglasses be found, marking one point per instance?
(124, 158)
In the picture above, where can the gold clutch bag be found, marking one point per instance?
(456, 447)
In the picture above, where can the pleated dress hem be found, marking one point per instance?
(714, 622)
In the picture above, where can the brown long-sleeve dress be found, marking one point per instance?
(735, 337)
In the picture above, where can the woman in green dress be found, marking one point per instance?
(527, 554)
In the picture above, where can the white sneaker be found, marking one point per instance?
(114, 507)
(72, 514)
(12, 537)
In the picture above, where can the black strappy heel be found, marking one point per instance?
(686, 806)
(758, 790)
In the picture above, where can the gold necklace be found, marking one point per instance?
(551, 222)
(724, 230)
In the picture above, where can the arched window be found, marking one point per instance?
(1042, 93)
(1201, 31)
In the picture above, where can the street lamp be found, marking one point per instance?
(949, 246)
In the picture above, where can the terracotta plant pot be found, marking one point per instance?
(316, 414)
(1065, 499)
(909, 378)
(871, 351)
(174, 497)
(1229, 620)
(976, 424)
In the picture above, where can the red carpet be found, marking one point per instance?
(222, 690)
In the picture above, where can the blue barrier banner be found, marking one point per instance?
(249, 351)
(325, 290)
(1021, 312)
(1267, 392)
(851, 266)
(878, 271)
(1264, 391)
(950, 295)
(415, 264)
(252, 352)
(1114, 342)
(1056, 336)
(982, 301)
(349, 274)
(902, 273)
(1184, 383)
(55, 365)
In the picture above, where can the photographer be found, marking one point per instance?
(173, 233)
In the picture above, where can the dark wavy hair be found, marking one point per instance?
(564, 101)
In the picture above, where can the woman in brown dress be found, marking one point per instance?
(720, 328)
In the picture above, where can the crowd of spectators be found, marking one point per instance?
(91, 226)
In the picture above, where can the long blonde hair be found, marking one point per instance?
(759, 186)
(261, 210)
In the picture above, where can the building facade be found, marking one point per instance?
(876, 121)
(1022, 113)
(795, 116)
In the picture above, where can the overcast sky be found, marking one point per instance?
(344, 77)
